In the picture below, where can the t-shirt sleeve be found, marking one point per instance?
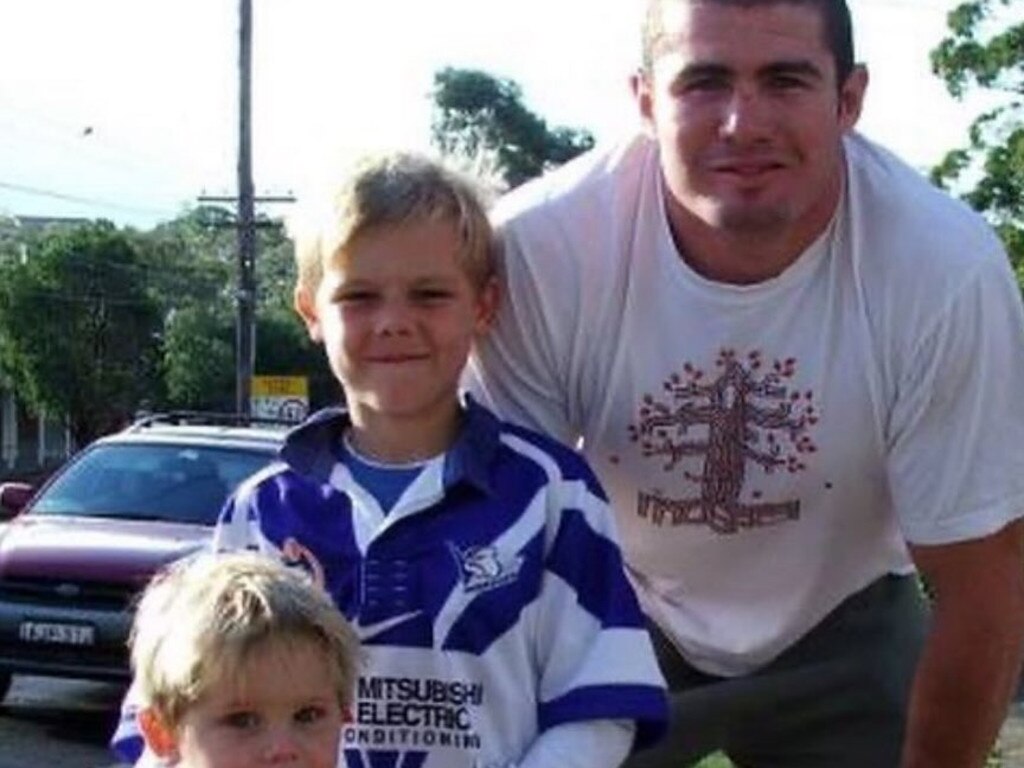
(595, 654)
(519, 368)
(956, 431)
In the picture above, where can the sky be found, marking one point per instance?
(127, 109)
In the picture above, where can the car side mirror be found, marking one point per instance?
(13, 498)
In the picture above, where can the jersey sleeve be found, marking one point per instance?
(956, 431)
(590, 744)
(238, 527)
(596, 657)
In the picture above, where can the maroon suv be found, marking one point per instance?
(74, 555)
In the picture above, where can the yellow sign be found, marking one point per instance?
(280, 397)
(280, 386)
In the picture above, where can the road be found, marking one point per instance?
(61, 723)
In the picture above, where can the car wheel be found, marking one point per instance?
(5, 684)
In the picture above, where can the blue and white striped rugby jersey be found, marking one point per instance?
(491, 600)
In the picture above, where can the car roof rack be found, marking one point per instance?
(205, 418)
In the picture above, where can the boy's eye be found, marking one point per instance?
(431, 294)
(241, 720)
(310, 714)
(355, 297)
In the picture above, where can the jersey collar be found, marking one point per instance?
(309, 448)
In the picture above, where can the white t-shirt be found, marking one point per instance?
(767, 448)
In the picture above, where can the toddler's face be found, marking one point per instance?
(282, 711)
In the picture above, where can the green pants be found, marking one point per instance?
(835, 699)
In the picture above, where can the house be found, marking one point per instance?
(28, 442)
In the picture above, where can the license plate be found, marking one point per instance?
(58, 634)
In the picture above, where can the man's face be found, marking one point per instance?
(744, 105)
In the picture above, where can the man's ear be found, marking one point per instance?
(640, 85)
(851, 97)
(305, 305)
(160, 738)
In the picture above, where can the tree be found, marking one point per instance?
(199, 358)
(195, 283)
(12, 239)
(190, 258)
(481, 119)
(977, 54)
(79, 332)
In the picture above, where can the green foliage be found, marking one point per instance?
(481, 119)
(283, 348)
(95, 322)
(79, 333)
(199, 358)
(11, 239)
(191, 259)
(990, 169)
(197, 283)
(717, 760)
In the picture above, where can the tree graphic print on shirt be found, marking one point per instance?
(743, 416)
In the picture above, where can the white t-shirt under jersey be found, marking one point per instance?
(767, 448)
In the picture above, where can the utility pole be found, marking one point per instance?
(245, 221)
(245, 332)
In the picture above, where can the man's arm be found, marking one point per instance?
(972, 658)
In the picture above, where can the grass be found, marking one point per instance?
(717, 760)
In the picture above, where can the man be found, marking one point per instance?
(797, 368)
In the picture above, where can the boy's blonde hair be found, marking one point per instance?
(389, 191)
(200, 621)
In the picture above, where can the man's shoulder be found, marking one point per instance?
(897, 206)
(914, 247)
(588, 181)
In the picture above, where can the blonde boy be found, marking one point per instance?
(476, 560)
(240, 662)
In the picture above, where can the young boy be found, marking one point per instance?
(240, 662)
(477, 560)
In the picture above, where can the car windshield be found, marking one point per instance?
(150, 482)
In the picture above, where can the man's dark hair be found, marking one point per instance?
(835, 14)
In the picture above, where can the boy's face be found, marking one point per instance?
(397, 315)
(282, 711)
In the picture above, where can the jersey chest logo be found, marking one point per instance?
(713, 429)
(485, 568)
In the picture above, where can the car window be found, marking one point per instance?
(150, 482)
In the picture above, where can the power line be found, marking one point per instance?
(66, 298)
(41, 192)
(95, 145)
